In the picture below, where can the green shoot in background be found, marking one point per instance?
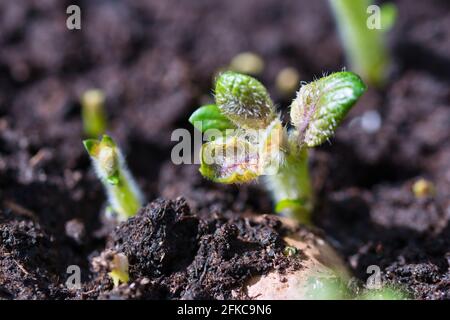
(124, 196)
(260, 145)
(362, 28)
(93, 113)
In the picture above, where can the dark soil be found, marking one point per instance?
(184, 257)
(155, 60)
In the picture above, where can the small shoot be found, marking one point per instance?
(93, 113)
(287, 81)
(124, 196)
(290, 251)
(362, 27)
(119, 269)
(423, 188)
(254, 143)
(248, 63)
(115, 264)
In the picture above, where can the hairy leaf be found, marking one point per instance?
(244, 100)
(321, 105)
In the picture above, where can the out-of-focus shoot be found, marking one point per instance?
(362, 27)
(93, 113)
(124, 196)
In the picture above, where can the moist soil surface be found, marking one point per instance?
(155, 61)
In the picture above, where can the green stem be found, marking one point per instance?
(124, 196)
(93, 113)
(365, 48)
(291, 187)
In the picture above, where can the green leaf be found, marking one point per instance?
(108, 141)
(321, 105)
(244, 100)
(388, 12)
(91, 146)
(209, 117)
(231, 160)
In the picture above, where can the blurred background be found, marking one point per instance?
(155, 61)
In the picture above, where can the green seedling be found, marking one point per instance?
(124, 196)
(363, 32)
(93, 113)
(249, 140)
(119, 269)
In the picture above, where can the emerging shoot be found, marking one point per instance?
(423, 188)
(248, 63)
(362, 27)
(93, 113)
(250, 140)
(115, 264)
(119, 269)
(124, 196)
(287, 81)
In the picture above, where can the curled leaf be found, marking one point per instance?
(209, 117)
(272, 148)
(321, 105)
(105, 154)
(230, 160)
(244, 100)
(91, 146)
